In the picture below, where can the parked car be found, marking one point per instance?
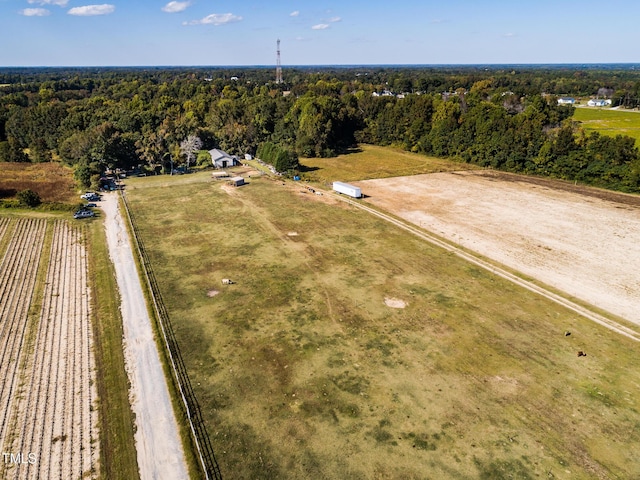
(83, 214)
(90, 205)
(90, 196)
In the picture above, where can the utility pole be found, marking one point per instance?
(278, 66)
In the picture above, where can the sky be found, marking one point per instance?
(319, 32)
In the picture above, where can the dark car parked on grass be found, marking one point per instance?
(83, 214)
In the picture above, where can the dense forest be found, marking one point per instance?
(504, 117)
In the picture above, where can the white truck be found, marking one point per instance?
(347, 189)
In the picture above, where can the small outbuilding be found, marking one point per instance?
(236, 181)
(220, 174)
(222, 159)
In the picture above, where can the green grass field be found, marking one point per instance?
(304, 372)
(370, 161)
(610, 122)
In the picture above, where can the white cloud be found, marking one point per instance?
(35, 12)
(508, 35)
(320, 26)
(335, 19)
(60, 3)
(175, 7)
(294, 14)
(91, 10)
(216, 19)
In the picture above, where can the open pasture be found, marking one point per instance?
(610, 122)
(371, 161)
(52, 181)
(49, 419)
(347, 348)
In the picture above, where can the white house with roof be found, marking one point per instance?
(222, 159)
(597, 102)
(566, 101)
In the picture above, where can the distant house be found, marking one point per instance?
(566, 101)
(596, 102)
(222, 159)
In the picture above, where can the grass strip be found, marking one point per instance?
(117, 425)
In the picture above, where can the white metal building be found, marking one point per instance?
(221, 159)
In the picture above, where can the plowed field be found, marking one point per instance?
(48, 419)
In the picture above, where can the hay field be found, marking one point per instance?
(371, 161)
(52, 181)
(610, 122)
(307, 367)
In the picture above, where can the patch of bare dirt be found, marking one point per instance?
(394, 302)
(580, 240)
(212, 293)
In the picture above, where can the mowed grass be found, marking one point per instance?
(52, 181)
(304, 372)
(370, 161)
(610, 122)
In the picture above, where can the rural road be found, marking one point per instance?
(159, 449)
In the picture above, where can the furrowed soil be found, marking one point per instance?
(304, 370)
(580, 240)
(48, 419)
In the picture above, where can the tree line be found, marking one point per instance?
(500, 117)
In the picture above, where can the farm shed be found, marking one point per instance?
(221, 174)
(347, 189)
(236, 181)
(221, 159)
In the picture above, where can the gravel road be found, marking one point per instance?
(159, 450)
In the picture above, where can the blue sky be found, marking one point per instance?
(244, 32)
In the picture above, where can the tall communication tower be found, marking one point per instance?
(278, 66)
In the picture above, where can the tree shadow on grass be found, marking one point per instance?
(307, 169)
(8, 192)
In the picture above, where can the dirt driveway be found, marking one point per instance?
(581, 241)
(159, 449)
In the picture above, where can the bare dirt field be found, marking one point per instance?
(580, 240)
(49, 423)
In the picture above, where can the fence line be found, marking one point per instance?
(197, 426)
